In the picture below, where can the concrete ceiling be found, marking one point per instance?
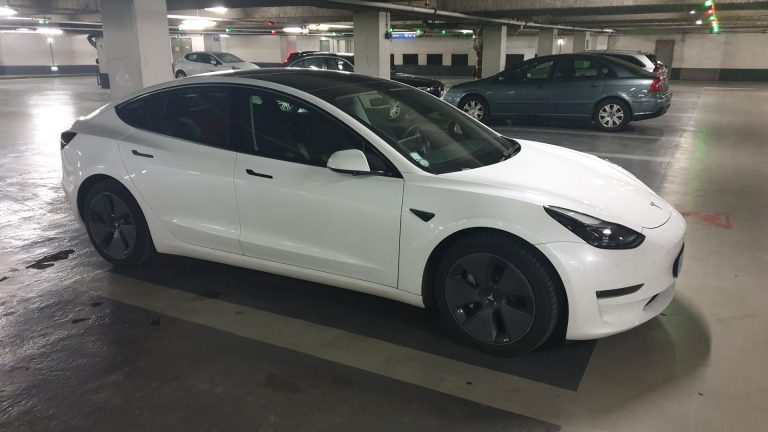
(265, 15)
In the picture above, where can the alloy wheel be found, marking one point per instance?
(112, 225)
(475, 109)
(490, 298)
(611, 115)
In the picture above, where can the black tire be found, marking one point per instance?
(521, 302)
(116, 225)
(612, 115)
(180, 74)
(476, 107)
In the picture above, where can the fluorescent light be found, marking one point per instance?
(693, 11)
(224, 35)
(466, 31)
(217, 9)
(196, 24)
(561, 42)
(6, 11)
(24, 30)
(54, 68)
(699, 22)
(293, 29)
(320, 27)
(49, 31)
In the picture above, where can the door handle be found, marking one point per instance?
(138, 153)
(255, 174)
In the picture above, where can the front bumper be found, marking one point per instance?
(585, 270)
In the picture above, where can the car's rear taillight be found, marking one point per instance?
(66, 137)
(657, 85)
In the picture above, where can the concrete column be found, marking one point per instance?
(287, 46)
(547, 41)
(494, 50)
(211, 42)
(371, 49)
(137, 44)
(581, 41)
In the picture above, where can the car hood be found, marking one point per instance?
(414, 80)
(551, 175)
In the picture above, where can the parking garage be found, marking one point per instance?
(182, 343)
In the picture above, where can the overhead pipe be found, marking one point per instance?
(459, 15)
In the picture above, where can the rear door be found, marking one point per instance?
(576, 86)
(179, 158)
(522, 91)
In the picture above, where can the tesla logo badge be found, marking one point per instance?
(653, 204)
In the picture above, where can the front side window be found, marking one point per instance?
(283, 128)
(428, 132)
(191, 57)
(527, 72)
(198, 114)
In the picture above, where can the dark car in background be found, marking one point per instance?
(605, 90)
(647, 61)
(346, 62)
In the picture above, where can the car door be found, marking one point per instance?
(522, 91)
(206, 63)
(576, 86)
(179, 159)
(296, 211)
(190, 65)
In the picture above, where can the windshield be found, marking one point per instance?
(427, 131)
(229, 58)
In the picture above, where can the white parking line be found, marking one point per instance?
(488, 387)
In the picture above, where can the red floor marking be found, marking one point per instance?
(715, 219)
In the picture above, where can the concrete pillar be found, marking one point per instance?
(494, 50)
(211, 43)
(547, 41)
(371, 48)
(581, 41)
(287, 46)
(137, 44)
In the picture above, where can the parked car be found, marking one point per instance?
(647, 61)
(346, 62)
(296, 55)
(605, 90)
(202, 62)
(303, 173)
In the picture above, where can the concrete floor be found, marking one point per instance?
(188, 345)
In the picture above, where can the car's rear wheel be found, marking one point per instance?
(612, 115)
(116, 225)
(180, 74)
(476, 107)
(497, 293)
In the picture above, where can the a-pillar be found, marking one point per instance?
(371, 47)
(494, 50)
(581, 41)
(136, 44)
(547, 41)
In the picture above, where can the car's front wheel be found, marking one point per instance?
(180, 74)
(475, 107)
(496, 292)
(116, 225)
(612, 115)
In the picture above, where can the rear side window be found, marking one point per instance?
(577, 69)
(630, 59)
(199, 114)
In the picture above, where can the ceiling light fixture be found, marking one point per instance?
(217, 9)
(320, 27)
(699, 22)
(196, 24)
(293, 29)
(7, 11)
(693, 11)
(49, 31)
(223, 35)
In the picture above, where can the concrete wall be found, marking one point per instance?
(726, 56)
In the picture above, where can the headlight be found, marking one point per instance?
(596, 232)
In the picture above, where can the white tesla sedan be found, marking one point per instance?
(196, 63)
(305, 174)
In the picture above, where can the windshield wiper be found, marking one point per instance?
(514, 147)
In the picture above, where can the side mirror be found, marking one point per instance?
(349, 162)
